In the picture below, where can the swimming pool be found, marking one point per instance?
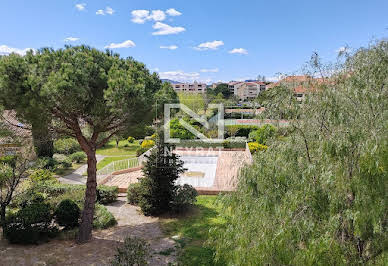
(201, 171)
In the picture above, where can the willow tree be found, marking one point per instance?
(81, 87)
(318, 196)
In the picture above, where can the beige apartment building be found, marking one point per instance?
(190, 87)
(247, 90)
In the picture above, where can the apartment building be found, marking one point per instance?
(190, 87)
(247, 90)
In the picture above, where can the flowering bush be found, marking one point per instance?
(255, 146)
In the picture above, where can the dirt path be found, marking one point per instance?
(101, 249)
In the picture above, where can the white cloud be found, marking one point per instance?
(80, 7)
(108, 10)
(5, 50)
(179, 75)
(164, 29)
(140, 16)
(209, 70)
(209, 45)
(169, 47)
(125, 44)
(182, 76)
(157, 15)
(238, 51)
(173, 12)
(71, 39)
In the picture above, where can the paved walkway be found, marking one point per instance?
(76, 177)
(101, 249)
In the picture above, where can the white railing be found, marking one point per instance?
(118, 165)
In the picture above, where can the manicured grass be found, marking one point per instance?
(67, 171)
(193, 230)
(110, 148)
(108, 160)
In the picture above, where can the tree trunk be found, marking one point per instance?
(42, 139)
(85, 229)
(2, 216)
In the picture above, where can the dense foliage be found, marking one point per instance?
(67, 213)
(318, 196)
(158, 185)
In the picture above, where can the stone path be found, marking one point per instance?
(76, 177)
(101, 249)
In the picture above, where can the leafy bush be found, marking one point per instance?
(45, 163)
(262, 134)
(184, 197)
(66, 146)
(240, 130)
(62, 160)
(147, 144)
(42, 175)
(103, 218)
(77, 157)
(67, 213)
(131, 139)
(134, 193)
(134, 251)
(254, 147)
(30, 225)
(107, 194)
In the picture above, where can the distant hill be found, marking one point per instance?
(170, 81)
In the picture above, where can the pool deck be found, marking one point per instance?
(228, 165)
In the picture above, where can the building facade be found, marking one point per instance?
(190, 87)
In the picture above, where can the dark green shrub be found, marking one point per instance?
(67, 213)
(184, 197)
(134, 193)
(46, 163)
(107, 194)
(42, 175)
(160, 172)
(30, 225)
(131, 139)
(134, 251)
(77, 157)
(66, 146)
(103, 218)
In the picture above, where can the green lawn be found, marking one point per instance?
(108, 160)
(110, 149)
(193, 229)
(67, 171)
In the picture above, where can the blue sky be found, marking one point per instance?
(213, 39)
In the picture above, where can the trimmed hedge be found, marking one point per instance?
(55, 191)
(67, 213)
(103, 218)
(229, 143)
(107, 194)
(30, 225)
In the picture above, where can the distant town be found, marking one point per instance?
(248, 90)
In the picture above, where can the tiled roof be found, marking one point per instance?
(9, 122)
